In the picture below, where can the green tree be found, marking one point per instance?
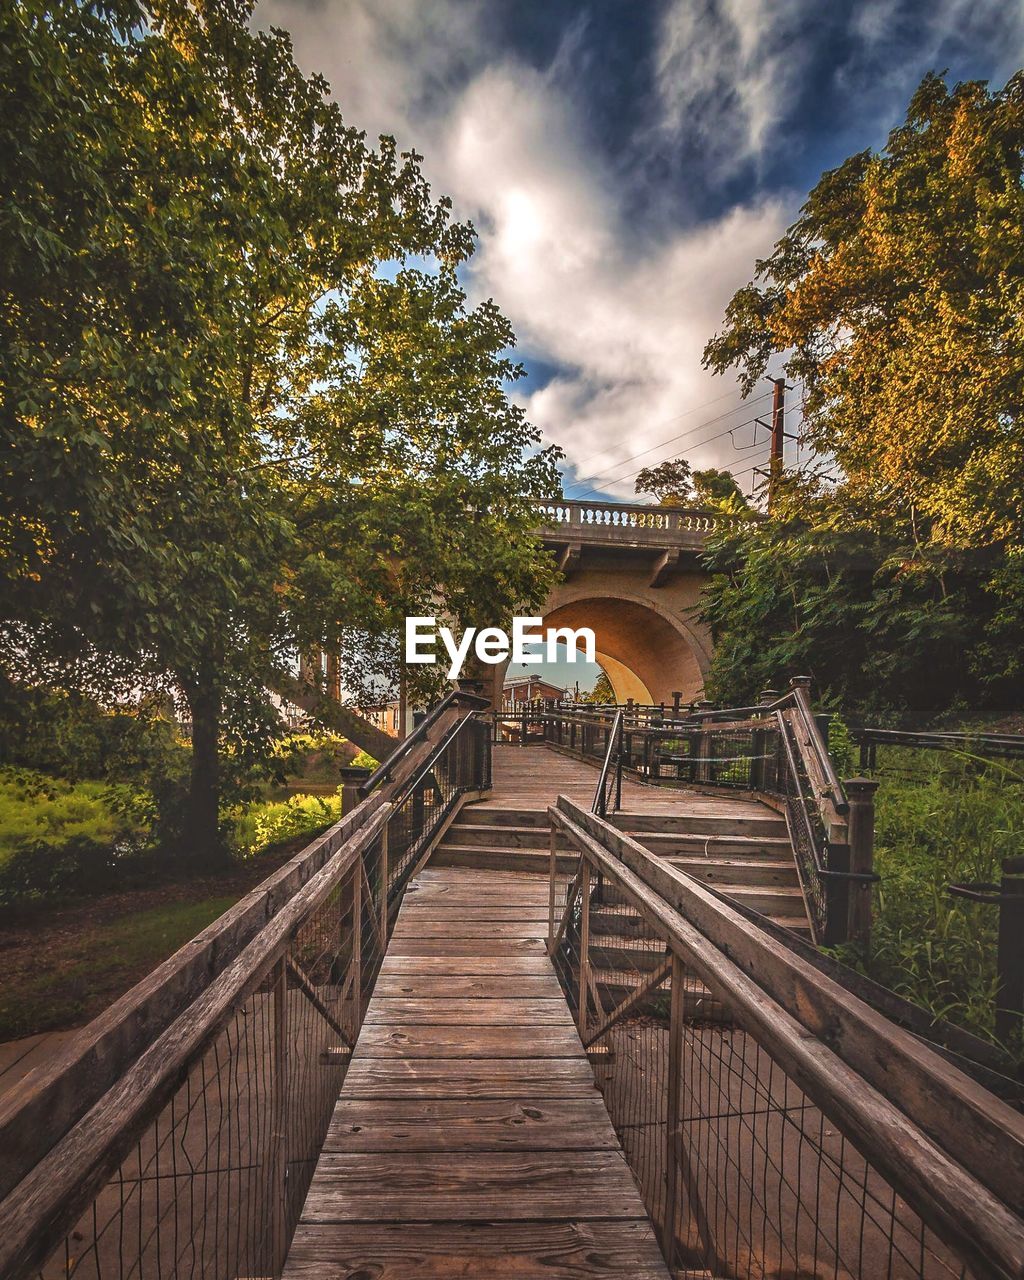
(602, 692)
(896, 574)
(671, 482)
(675, 483)
(246, 409)
(898, 295)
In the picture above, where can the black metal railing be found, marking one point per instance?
(776, 1124)
(179, 1135)
(1008, 746)
(608, 795)
(776, 749)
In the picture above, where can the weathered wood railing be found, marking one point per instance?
(776, 749)
(178, 1134)
(777, 1124)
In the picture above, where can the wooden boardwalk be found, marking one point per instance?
(469, 1139)
(535, 776)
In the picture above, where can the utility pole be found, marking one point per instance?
(775, 465)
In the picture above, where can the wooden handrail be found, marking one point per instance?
(47, 1203)
(53, 1097)
(951, 1149)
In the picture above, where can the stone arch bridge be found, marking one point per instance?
(632, 574)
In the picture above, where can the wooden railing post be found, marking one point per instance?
(705, 770)
(279, 1109)
(860, 792)
(552, 881)
(759, 744)
(352, 778)
(584, 969)
(357, 949)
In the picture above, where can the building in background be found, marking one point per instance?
(530, 689)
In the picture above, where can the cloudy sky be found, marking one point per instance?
(625, 161)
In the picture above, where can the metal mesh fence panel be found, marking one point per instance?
(744, 1176)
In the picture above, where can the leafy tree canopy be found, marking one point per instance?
(898, 296)
(675, 483)
(895, 575)
(246, 408)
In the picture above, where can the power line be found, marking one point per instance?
(699, 444)
(668, 421)
(601, 475)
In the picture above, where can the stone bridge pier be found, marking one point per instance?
(632, 574)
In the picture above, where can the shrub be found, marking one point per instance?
(263, 825)
(942, 818)
(58, 836)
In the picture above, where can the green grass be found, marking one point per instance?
(85, 972)
(942, 818)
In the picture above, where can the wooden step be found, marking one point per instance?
(667, 843)
(499, 837)
(480, 815)
(723, 871)
(493, 858)
(778, 903)
(767, 824)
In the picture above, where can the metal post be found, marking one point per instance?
(677, 697)
(861, 794)
(1010, 953)
(581, 1011)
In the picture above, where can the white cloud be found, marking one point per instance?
(621, 311)
(725, 72)
(561, 249)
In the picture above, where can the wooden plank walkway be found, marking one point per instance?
(469, 1139)
(535, 776)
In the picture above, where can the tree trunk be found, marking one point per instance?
(202, 819)
(330, 714)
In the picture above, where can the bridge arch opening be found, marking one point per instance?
(646, 654)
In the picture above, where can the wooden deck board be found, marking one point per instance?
(462, 1011)
(469, 1139)
(472, 1250)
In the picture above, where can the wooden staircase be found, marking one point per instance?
(740, 848)
(745, 854)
